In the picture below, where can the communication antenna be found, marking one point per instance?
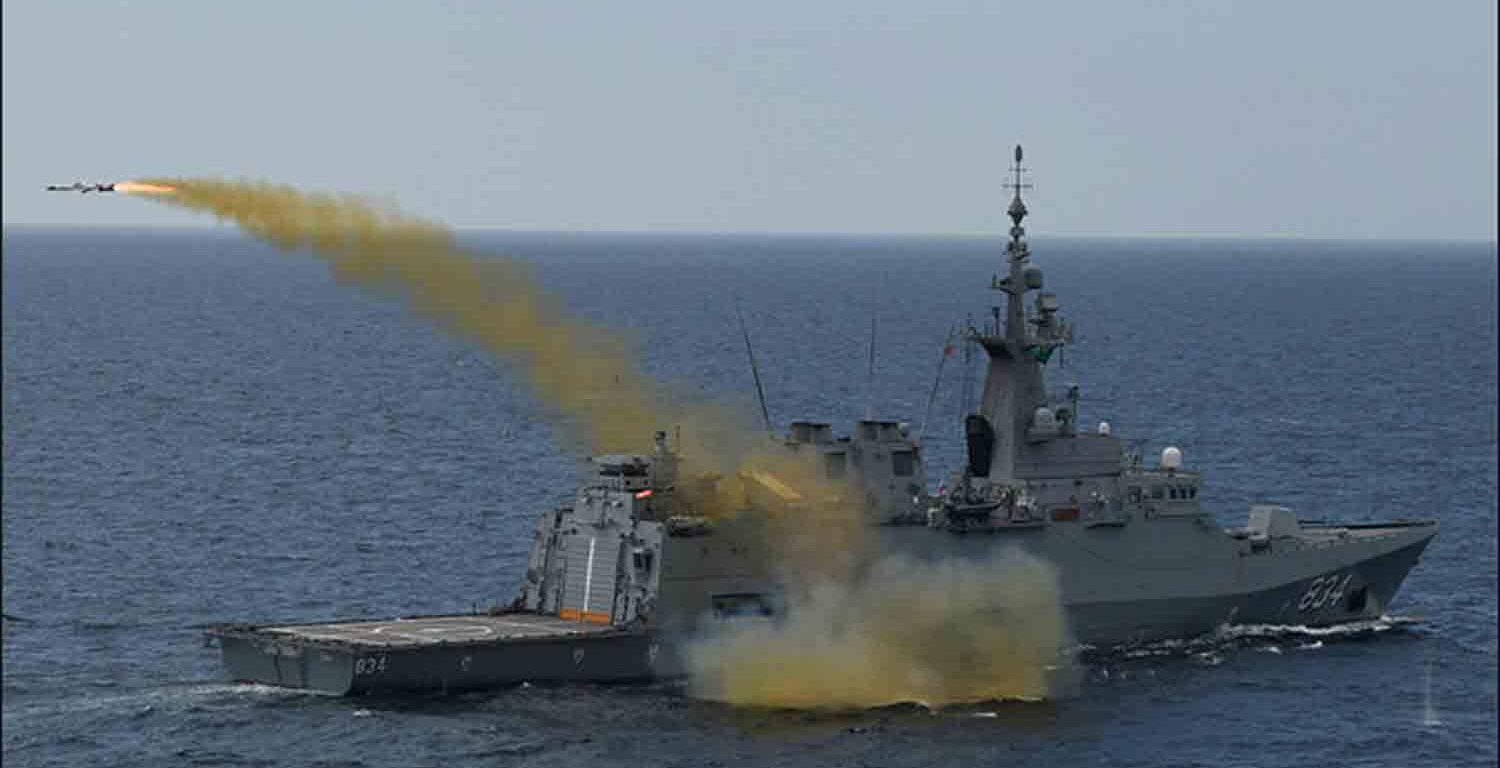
(1016, 185)
(966, 378)
(936, 380)
(870, 370)
(760, 393)
(870, 374)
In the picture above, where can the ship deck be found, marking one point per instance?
(1319, 531)
(420, 631)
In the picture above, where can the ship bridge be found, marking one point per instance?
(1019, 432)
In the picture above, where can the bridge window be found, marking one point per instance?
(1134, 494)
(625, 470)
(1158, 493)
(903, 463)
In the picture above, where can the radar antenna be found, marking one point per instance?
(1017, 209)
(1014, 284)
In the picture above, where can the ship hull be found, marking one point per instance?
(443, 654)
(1123, 587)
(1355, 592)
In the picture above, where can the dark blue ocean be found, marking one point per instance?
(199, 429)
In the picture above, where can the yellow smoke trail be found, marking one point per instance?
(581, 369)
(933, 633)
(586, 372)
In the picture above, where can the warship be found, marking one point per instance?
(619, 579)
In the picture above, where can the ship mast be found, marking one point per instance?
(1013, 389)
(1019, 253)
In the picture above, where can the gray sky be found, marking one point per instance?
(1321, 119)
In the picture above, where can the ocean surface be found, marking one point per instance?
(199, 428)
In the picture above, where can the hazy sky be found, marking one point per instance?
(1306, 119)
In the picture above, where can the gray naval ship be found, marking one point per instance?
(621, 576)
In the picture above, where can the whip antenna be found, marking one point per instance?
(760, 393)
(932, 395)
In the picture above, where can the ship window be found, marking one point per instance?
(742, 605)
(834, 465)
(1172, 492)
(1192, 492)
(1158, 493)
(902, 463)
(625, 470)
(643, 558)
(1135, 494)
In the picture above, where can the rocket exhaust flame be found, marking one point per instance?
(140, 188)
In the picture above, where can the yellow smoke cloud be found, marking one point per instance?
(933, 633)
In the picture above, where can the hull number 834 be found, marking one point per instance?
(369, 665)
(1323, 592)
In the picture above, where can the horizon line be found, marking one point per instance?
(794, 234)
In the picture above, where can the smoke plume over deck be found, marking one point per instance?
(933, 633)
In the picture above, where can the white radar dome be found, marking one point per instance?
(1044, 418)
(1104, 429)
(1171, 457)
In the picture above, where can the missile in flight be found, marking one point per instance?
(80, 187)
(122, 187)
